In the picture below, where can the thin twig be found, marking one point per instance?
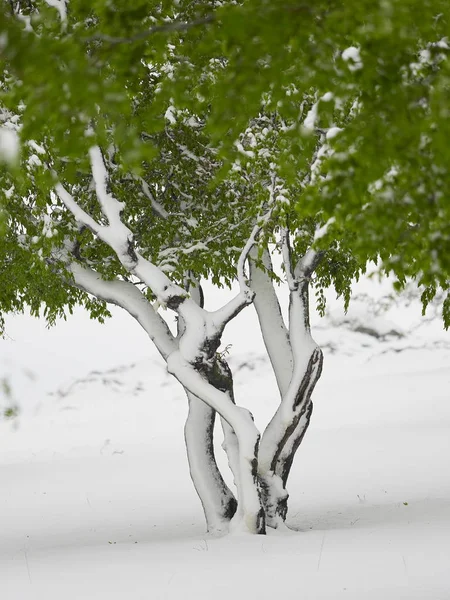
(143, 35)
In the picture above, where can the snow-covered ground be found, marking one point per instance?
(96, 500)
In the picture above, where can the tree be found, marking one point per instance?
(167, 142)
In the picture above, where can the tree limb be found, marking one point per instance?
(143, 35)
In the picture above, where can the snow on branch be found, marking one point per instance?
(118, 237)
(306, 264)
(253, 238)
(273, 327)
(80, 215)
(242, 276)
(156, 206)
(129, 297)
(111, 207)
(309, 261)
(286, 253)
(246, 295)
(223, 315)
(61, 7)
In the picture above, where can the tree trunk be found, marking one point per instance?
(286, 458)
(283, 437)
(219, 504)
(286, 430)
(221, 377)
(196, 379)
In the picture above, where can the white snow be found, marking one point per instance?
(310, 120)
(170, 114)
(36, 147)
(96, 498)
(9, 145)
(352, 56)
(322, 231)
(333, 132)
(60, 6)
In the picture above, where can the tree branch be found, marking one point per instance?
(143, 35)
(286, 253)
(128, 297)
(273, 328)
(156, 206)
(80, 215)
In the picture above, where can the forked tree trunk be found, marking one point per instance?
(260, 472)
(297, 363)
(271, 483)
(250, 515)
(192, 359)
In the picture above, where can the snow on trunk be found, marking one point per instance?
(219, 504)
(297, 363)
(286, 457)
(273, 328)
(250, 514)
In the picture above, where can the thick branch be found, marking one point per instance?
(80, 215)
(218, 502)
(286, 253)
(128, 297)
(309, 262)
(293, 405)
(273, 328)
(120, 239)
(262, 221)
(224, 315)
(307, 367)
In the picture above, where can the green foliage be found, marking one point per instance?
(212, 113)
(8, 407)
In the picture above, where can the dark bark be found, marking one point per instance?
(218, 374)
(205, 445)
(275, 500)
(285, 463)
(310, 378)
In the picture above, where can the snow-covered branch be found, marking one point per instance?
(273, 328)
(81, 216)
(286, 253)
(156, 206)
(223, 315)
(253, 238)
(61, 7)
(128, 297)
(119, 237)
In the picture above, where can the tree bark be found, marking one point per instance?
(297, 363)
(219, 503)
(250, 514)
(221, 377)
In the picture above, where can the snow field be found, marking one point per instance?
(97, 503)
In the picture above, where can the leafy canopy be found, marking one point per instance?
(212, 113)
